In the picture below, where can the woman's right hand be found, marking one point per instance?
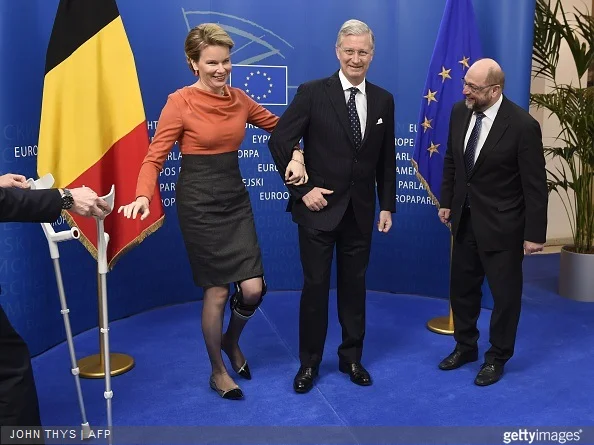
(140, 206)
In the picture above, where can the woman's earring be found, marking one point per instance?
(196, 73)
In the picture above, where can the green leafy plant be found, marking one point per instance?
(573, 105)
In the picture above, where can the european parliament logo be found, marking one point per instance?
(266, 84)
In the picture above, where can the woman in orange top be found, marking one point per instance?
(208, 119)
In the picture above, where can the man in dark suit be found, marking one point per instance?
(18, 396)
(347, 126)
(494, 193)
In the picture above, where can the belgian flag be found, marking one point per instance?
(93, 127)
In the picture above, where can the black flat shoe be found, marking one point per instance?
(457, 359)
(357, 373)
(243, 370)
(229, 394)
(490, 373)
(304, 380)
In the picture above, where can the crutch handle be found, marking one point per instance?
(45, 182)
(54, 238)
(65, 235)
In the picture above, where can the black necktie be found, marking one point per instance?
(354, 117)
(472, 142)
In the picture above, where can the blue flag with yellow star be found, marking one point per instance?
(266, 84)
(457, 47)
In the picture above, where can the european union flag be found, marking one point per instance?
(267, 85)
(457, 47)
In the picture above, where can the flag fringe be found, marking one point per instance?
(135, 242)
(82, 238)
(425, 184)
(429, 192)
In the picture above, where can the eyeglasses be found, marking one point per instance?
(475, 88)
(351, 52)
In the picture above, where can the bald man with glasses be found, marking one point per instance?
(494, 194)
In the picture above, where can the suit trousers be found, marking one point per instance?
(352, 258)
(18, 395)
(503, 270)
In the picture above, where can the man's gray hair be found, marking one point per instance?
(355, 27)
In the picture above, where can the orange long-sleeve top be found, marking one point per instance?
(204, 123)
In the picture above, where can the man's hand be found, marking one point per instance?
(87, 203)
(314, 199)
(444, 215)
(530, 247)
(11, 180)
(385, 221)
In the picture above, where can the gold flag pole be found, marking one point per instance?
(440, 325)
(444, 325)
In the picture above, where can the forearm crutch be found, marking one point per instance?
(102, 267)
(53, 239)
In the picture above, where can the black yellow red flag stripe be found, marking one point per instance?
(93, 127)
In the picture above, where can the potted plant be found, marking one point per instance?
(573, 105)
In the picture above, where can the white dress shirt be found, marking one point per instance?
(360, 99)
(490, 114)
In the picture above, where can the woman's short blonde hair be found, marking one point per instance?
(203, 35)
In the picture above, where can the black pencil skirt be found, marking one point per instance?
(216, 220)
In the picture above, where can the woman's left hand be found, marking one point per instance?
(296, 174)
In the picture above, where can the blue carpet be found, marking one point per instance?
(548, 381)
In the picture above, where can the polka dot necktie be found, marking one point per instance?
(472, 142)
(354, 117)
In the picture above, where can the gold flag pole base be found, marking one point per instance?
(441, 325)
(444, 325)
(91, 367)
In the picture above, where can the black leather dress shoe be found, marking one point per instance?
(357, 372)
(490, 373)
(457, 359)
(304, 380)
